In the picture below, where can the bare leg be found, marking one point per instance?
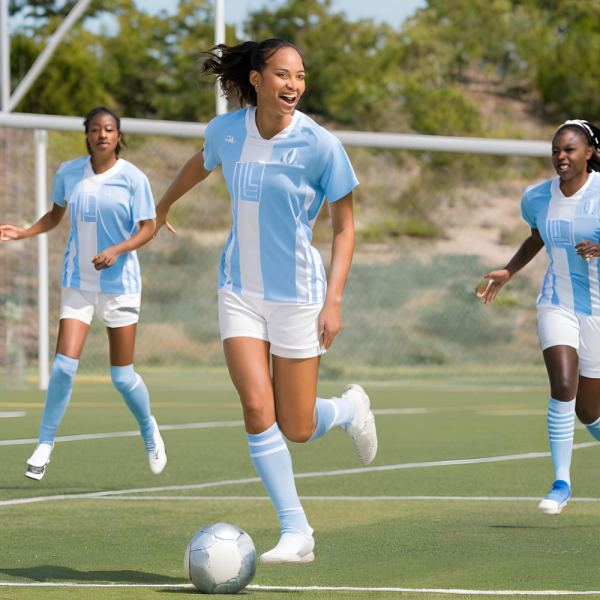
(71, 337)
(562, 364)
(248, 363)
(295, 386)
(121, 341)
(588, 400)
(133, 389)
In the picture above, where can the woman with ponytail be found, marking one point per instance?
(275, 303)
(112, 214)
(564, 216)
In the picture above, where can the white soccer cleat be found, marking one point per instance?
(362, 428)
(292, 548)
(38, 461)
(157, 458)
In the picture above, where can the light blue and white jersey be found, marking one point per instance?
(105, 210)
(571, 282)
(277, 188)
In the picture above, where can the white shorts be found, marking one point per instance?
(560, 327)
(292, 329)
(113, 310)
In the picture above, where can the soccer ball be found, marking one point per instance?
(220, 559)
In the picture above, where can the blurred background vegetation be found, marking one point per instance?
(429, 224)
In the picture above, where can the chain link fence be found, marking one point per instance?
(409, 310)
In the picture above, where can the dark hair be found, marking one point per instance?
(98, 111)
(232, 65)
(591, 133)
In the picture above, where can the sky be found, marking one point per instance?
(393, 12)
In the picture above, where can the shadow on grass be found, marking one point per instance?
(46, 573)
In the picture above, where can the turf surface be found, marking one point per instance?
(463, 544)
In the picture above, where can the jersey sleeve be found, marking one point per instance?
(527, 212)
(212, 157)
(337, 177)
(58, 191)
(142, 200)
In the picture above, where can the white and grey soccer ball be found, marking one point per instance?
(220, 559)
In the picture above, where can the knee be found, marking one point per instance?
(123, 378)
(298, 433)
(257, 413)
(562, 388)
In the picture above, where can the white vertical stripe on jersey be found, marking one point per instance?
(563, 285)
(248, 231)
(594, 286)
(303, 259)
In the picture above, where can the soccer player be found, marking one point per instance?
(273, 298)
(564, 216)
(112, 214)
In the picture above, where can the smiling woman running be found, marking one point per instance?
(564, 216)
(274, 298)
(112, 214)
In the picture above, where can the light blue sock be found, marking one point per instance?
(331, 412)
(273, 464)
(136, 396)
(561, 427)
(58, 395)
(594, 429)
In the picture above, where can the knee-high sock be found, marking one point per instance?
(331, 412)
(58, 395)
(273, 464)
(561, 426)
(136, 396)
(594, 429)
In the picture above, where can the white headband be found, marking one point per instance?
(586, 127)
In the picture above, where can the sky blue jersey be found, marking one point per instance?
(571, 282)
(105, 210)
(277, 188)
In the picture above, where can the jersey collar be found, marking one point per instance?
(89, 171)
(252, 129)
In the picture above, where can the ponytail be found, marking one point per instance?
(233, 64)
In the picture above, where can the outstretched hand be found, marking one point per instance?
(488, 290)
(10, 232)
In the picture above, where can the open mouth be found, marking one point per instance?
(563, 168)
(289, 99)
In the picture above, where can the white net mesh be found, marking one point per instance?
(409, 307)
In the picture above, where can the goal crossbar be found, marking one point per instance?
(365, 139)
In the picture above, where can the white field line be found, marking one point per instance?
(12, 415)
(351, 498)
(116, 434)
(317, 588)
(426, 591)
(199, 486)
(400, 411)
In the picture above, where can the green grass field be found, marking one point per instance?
(140, 537)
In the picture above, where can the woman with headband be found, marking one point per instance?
(564, 216)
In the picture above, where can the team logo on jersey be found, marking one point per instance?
(290, 156)
(560, 233)
(230, 139)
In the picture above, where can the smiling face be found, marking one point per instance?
(281, 82)
(103, 135)
(570, 153)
